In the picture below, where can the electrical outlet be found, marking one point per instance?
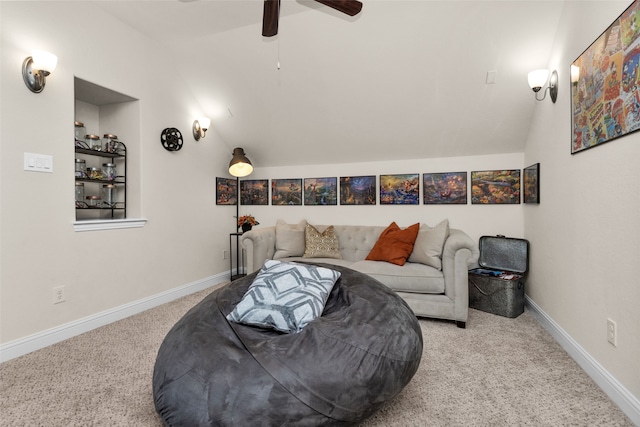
(59, 295)
(225, 254)
(612, 332)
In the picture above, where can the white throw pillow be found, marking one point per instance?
(285, 296)
(289, 239)
(430, 244)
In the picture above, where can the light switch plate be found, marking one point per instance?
(38, 162)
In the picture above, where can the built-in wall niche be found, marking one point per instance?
(106, 111)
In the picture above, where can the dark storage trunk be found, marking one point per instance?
(497, 287)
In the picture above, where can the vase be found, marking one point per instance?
(246, 227)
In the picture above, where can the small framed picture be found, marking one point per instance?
(400, 189)
(320, 191)
(358, 190)
(226, 191)
(286, 192)
(254, 192)
(531, 183)
(449, 188)
(496, 187)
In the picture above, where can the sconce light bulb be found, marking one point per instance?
(44, 61)
(537, 79)
(205, 122)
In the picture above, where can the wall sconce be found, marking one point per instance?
(36, 68)
(200, 127)
(538, 78)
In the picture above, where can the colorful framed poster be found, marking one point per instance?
(226, 191)
(254, 192)
(531, 184)
(358, 190)
(605, 89)
(400, 189)
(497, 187)
(321, 191)
(286, 192)
(449, 188)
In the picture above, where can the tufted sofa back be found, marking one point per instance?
(356, 241)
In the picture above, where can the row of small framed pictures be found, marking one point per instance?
(487, 187)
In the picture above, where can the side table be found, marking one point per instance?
(239, 257)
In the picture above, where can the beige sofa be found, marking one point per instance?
(435, 285)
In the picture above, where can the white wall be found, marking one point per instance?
(476, 220)
(185, 232)
(585, 237)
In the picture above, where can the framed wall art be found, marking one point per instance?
(605, 94)
(286, 192)
(495, 187)
(400, 189)
(449, 188)
(254, 192)
(226, 191)
(321, 191)
(358, 190)
(531, 184)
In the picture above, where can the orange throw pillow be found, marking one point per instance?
(394, 244)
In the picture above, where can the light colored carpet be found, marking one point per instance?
(497, 372)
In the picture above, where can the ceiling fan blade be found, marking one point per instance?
(350, 7)
(270, 18)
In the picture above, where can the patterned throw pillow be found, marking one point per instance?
(285, 296)
(321, 245)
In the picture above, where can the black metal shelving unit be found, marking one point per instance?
(120, 181)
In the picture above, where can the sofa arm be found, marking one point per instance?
(459, 253)
(259, 245)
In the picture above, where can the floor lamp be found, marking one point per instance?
(239, 166)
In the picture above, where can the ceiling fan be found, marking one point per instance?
(272, 12)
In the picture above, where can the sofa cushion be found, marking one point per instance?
(394, 244)
(429, 244)
(289, 239)
(411, 277)
(321, 245)
(285, 296)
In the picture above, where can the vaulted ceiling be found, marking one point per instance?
(402, 79)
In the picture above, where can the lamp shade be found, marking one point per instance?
(240, 166)
(537, 79)
(44, 61)
(205, 122)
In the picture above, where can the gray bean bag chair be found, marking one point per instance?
(338, 370)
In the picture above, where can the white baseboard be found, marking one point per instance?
(627, 402)
(51, 336)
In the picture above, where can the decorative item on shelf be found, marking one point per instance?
(93, 201)
(36, 68)
(246, 222)
(110, 143)
(94, 173)
(94, 142)
(81, 168)
(80, 132)
(109, 195)
(80, 195)
(538, 78)
(200, 127)
(171, 139)
(109, 171)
